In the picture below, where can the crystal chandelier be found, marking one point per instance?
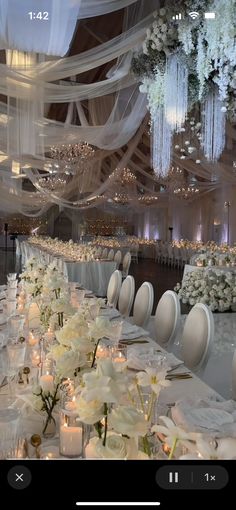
(55, 183)
(71, 152)
(71, 158)
(147, 200)
(186, 192)
(177, 184)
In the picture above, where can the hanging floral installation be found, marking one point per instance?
(185, 62)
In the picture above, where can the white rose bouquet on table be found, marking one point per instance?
(216, 288)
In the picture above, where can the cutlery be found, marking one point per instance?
(131, 342)
(175, 367)
(171, 377)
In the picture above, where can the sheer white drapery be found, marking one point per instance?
(49, 33)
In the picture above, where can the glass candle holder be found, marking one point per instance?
(71, 432)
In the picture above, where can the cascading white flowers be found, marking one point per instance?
(184, 62)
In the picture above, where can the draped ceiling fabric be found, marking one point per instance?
(96, 91)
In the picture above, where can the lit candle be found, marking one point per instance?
(70, 441)
(102, 352)
(34, 316)
(46, 383)
(35, 357)
(33, 338)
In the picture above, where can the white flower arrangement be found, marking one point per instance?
(216, 288)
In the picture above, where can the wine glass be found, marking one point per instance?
(16, 323)
(14, 362)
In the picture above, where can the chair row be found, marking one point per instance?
(122, 294)
(172, 255)
(198, 332)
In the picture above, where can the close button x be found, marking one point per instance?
(19, 477)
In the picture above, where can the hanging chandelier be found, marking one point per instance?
(53, 183)
(70, 158)
(177, 184)
(71, 152)
(147, 200)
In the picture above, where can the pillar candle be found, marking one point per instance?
(46, 382)
(71, 441)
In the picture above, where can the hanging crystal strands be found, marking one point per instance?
(213, 127)
(161, 143)
(175, 92)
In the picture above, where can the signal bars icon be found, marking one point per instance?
(177, 16)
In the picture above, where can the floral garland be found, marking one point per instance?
(186, 61)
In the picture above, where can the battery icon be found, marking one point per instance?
(210, 15)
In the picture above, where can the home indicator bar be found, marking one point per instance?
(117, 503)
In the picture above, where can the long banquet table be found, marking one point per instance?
(93, 275)
(192, 388)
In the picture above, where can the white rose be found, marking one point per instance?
(69, 362)
(128, 421)
(117, 447)
(89, 412)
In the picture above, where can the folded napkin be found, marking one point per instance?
(131, 331)
(110, 313)
(206, 416)
(139, 357)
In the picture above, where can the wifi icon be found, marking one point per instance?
(193, 14)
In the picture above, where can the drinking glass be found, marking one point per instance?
(11, 293)
(9, 431)
(14, 362)
(11, 276)
(12, 284)
(16, 323)
(11, 306)
(115, 332)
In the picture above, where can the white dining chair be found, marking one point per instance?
(126, 264)
(113, 289)
(99, 252)
(197, 337)
(117, 258)
(126, 297)
(167, 319)
(111, 255)
(104, 253)
(143, 304)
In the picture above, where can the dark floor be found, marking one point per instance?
(161, 276)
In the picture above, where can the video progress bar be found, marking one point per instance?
(117, 503)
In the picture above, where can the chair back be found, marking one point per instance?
(167, 318)
(126, 297)
(143, 304)
(197, 337)
(114, 286)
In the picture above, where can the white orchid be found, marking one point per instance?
(172, 433)
(153, 377)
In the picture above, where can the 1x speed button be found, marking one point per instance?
(185, 477)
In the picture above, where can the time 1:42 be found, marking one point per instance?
(41, 15)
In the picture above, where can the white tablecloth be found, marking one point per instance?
(94, 276)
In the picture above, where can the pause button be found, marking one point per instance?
(173, 477)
